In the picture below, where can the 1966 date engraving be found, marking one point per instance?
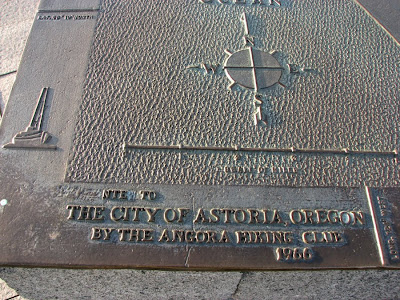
(294, 254)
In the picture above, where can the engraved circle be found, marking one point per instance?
(253, 69)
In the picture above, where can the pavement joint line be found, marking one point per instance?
(8, 73)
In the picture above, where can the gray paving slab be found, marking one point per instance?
(120, 284)
(145, 284)
(334, 284)
(6, 83)
(16, 19)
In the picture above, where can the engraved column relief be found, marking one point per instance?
(34, 137)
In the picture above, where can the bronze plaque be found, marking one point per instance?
(203, 134)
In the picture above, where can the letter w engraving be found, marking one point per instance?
(208, 68)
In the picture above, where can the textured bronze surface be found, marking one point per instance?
(203, 134)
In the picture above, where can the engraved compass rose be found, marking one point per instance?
(254, 69)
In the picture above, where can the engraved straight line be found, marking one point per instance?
(376, 228)
(266, 68)
(250, 149)
(68, 10)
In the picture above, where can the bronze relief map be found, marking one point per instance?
(203, 134)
